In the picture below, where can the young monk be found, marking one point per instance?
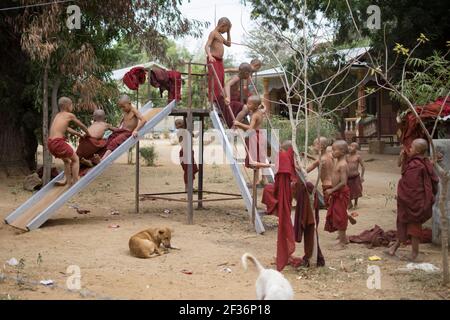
(232, 87)
(57, 143)
(326, 159)
(355, 179)
(256, 143)
(88, 147)
(278, 199)
(256, 65)
(180, 125)
(132, 122)
(214, 49)
(339, 194)
(416, 193)
(230, 104)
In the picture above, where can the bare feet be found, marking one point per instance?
(351, 219)
(74, 180)
(413, 257)
(86, 163)
(96, 159)
(61, 183)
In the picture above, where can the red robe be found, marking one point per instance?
(219, 81)
(304, 222)
(87, 147)
(355, 185)
(415, 196)
(175, 84)
(256, 146)
(337, 217)
(227, 114)
(118, 137)
(185, 167)
(283, 193)
(59, 148)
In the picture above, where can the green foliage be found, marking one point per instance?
(403, 20)
(149, 154)
(429, 79)
(327, 129)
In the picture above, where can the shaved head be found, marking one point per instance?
(224, 21)
(341, 145)
(99, 115)
(179, 123)
(286, 145)
(254, 100)
(245, 67)
(64, 102)
(420, 145)
(256, 64)
(125, 99)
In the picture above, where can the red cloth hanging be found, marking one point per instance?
(135, 77)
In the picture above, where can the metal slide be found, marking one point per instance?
(38, 209)
(228, 149)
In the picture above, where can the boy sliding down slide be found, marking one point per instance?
(132, 122)
(57, 143)
(89, 147)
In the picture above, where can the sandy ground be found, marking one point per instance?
(210, 249)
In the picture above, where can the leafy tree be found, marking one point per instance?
(56, 60)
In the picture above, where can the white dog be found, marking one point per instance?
(271, 284)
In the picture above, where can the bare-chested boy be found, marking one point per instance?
(132, 122)
(230, 104)
(256, 143)
(89, 146)
(57, 144)
(327, 164)
(339, 194)
(355, 179)
(256, 65)
(214, 49)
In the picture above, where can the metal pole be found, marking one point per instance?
(200, 164)
(255, 196)
(190, 208)
(136, 198)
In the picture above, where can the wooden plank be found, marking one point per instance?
(37, 208)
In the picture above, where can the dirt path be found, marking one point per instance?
(220, 236)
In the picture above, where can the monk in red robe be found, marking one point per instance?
(132, 122)
(214, 49)
(416, 193)
(306, 221)
(281, 203)
(337, 218)
(181, 126)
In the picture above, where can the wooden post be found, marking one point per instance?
(190, 208)
(136, 189)
(254, 196)
(200, 164)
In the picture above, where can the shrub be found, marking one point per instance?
(149, 154)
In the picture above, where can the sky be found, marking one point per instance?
(205, 11)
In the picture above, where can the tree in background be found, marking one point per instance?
(74, 62)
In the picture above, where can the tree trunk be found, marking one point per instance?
(55, 89)
(18, 141)
(444, 226)
(47, 158)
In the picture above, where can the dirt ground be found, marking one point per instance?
(210, 249)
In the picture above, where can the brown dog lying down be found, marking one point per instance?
(147, 243)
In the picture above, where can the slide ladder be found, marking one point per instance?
(240, 180)
(44, 203)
